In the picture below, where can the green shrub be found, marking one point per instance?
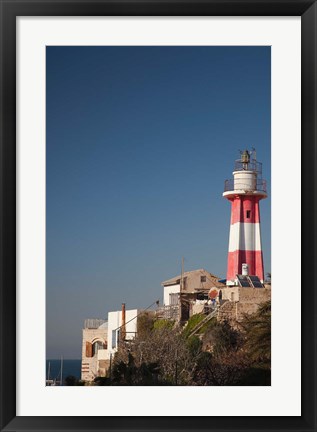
(194, 345)
(191, 324)
(145, 324)
(209, 324)
(163, 324)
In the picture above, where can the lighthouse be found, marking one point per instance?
(245, 192)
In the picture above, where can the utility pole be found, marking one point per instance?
(61, 383)
(181, 290)
(110, 368)
(176, 369)
(123, 323)
(182, 276)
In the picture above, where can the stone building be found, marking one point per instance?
(191, 293)
(94, 349)
(238, 301)
(101, 339)
(187, 294)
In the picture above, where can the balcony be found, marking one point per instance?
(171, 312)
(103, 354)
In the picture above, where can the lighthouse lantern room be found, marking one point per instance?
(244, 191)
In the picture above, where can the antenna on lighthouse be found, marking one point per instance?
(245, 159)
(182, 276)
(253, 153)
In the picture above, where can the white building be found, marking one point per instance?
(116, 327)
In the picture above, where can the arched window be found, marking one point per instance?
(96, 347)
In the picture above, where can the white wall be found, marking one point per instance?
(172, 289)
(115, 321)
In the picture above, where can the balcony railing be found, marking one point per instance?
(93, 323)
(103, 354)
(168, 312)
(251, 166)
(232, 185)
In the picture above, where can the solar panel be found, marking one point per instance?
(243, 281)
(255, 281)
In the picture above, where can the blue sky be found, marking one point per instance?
(139, 143)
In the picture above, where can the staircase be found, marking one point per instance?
(203, 322)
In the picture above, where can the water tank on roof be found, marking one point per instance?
(245, 269)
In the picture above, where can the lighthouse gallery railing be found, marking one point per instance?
(231, 185)
(253, 165)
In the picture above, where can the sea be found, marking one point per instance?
(70, 367)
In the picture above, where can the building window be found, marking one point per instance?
(114, 339)
(202, 278)
(248, 214)
(174, 299)
(96, 347)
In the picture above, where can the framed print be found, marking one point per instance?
(120, 123)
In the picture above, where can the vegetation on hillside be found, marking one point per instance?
(163, 353)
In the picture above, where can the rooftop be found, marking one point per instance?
(195, 280)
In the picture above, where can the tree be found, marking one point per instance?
(165, 347)
(268, 277)
(257, 332)
(225, 363)
(102, 381)
(71, 380)
(227, 368)
(145, 324)
(221, 337)
(128, 373)
(164, 354)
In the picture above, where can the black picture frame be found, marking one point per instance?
(10, 9)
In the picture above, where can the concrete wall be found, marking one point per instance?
(246, 295)
(230, 293)
(250, 299)
(248, 302)
(172, 289)
(254, 295)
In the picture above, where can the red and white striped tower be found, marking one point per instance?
(245, 191)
